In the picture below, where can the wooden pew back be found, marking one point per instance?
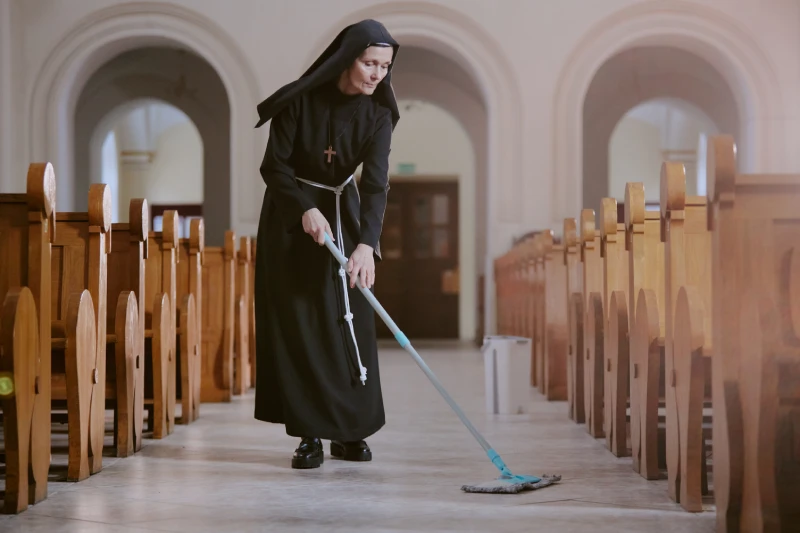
(79, 262)
(594, 323)
(611, 371)
(126, 274)
(19, 373)
(554, 309)
(190, 282)
(242, 372)
(219, 290)
(688, 267)
(27, 226)
(575, 321)
(756, 362)
(645, 298)
(161, 278)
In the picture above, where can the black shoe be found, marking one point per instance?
(351, 451)
(309, 454)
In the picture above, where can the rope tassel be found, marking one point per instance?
(348, 316)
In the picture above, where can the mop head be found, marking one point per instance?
(512, 484)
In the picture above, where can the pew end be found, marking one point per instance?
(123, 372)
(647, 354)
(688, 379)
(20, 378)
(617, 374)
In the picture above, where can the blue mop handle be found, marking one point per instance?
(406, 344)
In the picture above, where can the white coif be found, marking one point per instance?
(342, 274)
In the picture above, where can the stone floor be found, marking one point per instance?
(228, 472)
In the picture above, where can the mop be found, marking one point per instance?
(507, 483)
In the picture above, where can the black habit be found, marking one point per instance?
(307, 372)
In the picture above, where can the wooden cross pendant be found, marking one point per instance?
(330, 152)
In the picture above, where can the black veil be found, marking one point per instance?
(340, 54)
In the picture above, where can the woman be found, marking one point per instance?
(315, 332)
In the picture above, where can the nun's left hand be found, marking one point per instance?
(362, 265)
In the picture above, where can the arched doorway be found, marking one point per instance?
(181, 79)
(628, 80)
(110, 32)
(662, 129)
(437, 32)
(150, 149)
(439, 93)
(704, 34)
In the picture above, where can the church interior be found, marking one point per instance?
(588, 236)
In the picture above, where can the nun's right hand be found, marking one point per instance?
(315, 224)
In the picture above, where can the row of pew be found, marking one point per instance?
(673, 334)
(110, 333)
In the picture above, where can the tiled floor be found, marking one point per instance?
(228, 472)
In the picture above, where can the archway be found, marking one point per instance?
(658, 130)
(430, 77)
(107, 33)
(179, 78)
(150, 149)
(635, 76)
(705, 33)
(457, 38)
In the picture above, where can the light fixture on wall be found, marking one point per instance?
(136, 157)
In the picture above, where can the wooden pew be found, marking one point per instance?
(554, 318)
(27, 225)
(522, 288)
(19, 378)
(536, 309)
(594, 321)
(688, 342)
(756, 333)
(129, 251)
(80, 261)
(121, 346)
(500, 293)
(162, 276)
(190, 283)
(647, 330)
(160, 279)
(219, 288)
(242, 372)
(126, 273)
(575, 321)
(251, 310)
(612, 372)
(505, 279)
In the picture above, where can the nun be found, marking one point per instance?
(316, 352)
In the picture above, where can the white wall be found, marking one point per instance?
(649, 133)
(635, 156)
(110, 172)
(175, 175)
(438, 145)
(152, 150)
(532, 62)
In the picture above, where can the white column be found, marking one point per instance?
(702, 179)
(7, 181)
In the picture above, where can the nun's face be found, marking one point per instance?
(367, 71)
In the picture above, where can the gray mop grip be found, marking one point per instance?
(406, 344)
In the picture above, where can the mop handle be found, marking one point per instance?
(406, 344)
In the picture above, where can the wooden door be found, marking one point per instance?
(417, 281)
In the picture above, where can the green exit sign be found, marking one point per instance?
(406, 168)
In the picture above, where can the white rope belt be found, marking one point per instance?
(340, 245)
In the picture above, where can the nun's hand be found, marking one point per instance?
(361, 265)
(316, 225)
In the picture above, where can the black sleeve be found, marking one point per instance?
(278, 171)
(374, 184)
